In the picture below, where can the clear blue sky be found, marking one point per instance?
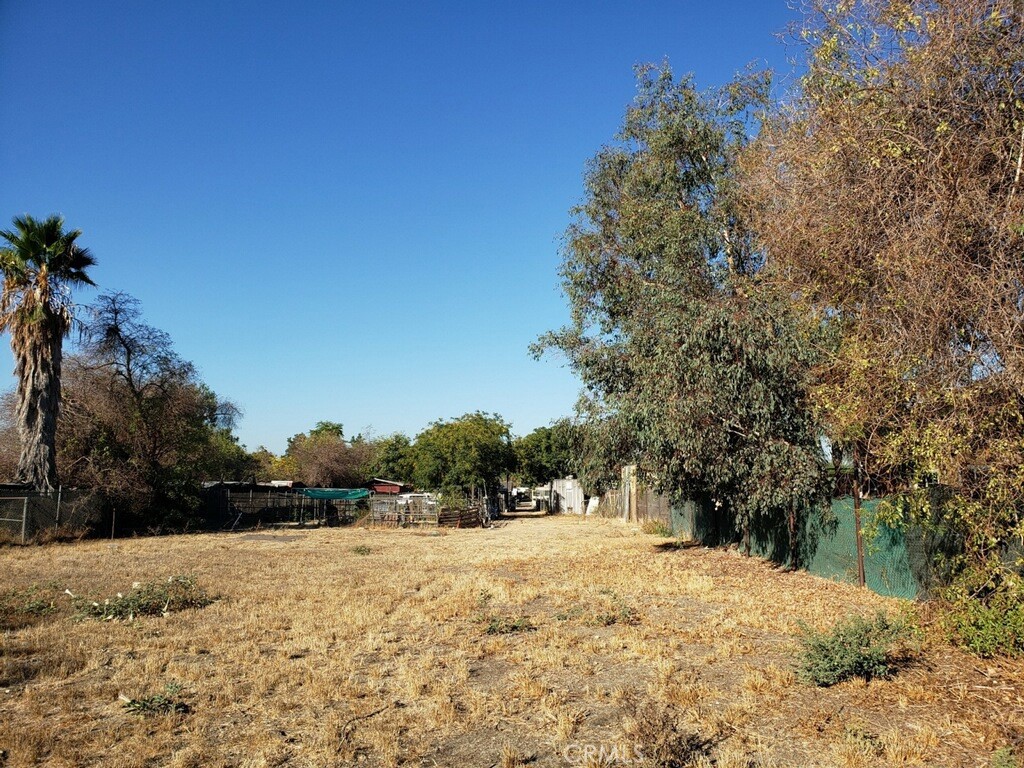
(347, 211)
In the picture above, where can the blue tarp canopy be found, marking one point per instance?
(338, 494)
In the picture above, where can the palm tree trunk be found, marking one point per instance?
(37, 351)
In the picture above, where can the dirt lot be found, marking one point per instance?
(541, 642)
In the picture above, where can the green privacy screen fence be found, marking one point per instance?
(897, 562)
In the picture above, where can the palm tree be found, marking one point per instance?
(40, 265)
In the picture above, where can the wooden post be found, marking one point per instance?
(793, 561)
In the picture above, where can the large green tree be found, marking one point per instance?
(545, 454)
(392, 458)
(470, 453)
(41, 263)
(677, 341)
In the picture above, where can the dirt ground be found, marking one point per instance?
(552, 641)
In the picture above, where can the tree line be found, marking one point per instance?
(775, 293)
(126, 417)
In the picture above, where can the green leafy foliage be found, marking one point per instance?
(986, 621)
(855, 647)
(471, 452)
(1004, 758)
(392, 458)
(696, 368)
(545, 454)
(152, 598)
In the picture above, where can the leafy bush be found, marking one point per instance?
(988, 625)
(153, 598)
(855, 647)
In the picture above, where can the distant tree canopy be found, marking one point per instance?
(545, 454)
(678, 343)
(393, 458)
(322, 457)
(471, 452)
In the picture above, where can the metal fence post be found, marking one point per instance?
(24, 518)
(60, 491)
(861, 580)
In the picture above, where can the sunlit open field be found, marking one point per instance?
(543, 641)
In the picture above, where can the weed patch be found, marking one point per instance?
(158, 704)
(987, 627)
(501, 625)
(152, 598)
(657, 528)
(1004, 758)
(22, 608)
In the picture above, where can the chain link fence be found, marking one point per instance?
(231, 509)
(27, 516)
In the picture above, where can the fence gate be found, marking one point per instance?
(24, 513)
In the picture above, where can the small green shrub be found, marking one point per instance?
(153, 598)
(500, 625)
(855, 647)
(158, 704)
(362, 549)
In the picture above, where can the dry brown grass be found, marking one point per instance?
(316, 655)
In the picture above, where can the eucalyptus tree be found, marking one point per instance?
(41, 263)
(677, 341)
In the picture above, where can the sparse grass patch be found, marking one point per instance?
(323, 660)
(502, 625)
(153, 598)
(22, 608)
(656, 732)
(657, 528)
(362, 549)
